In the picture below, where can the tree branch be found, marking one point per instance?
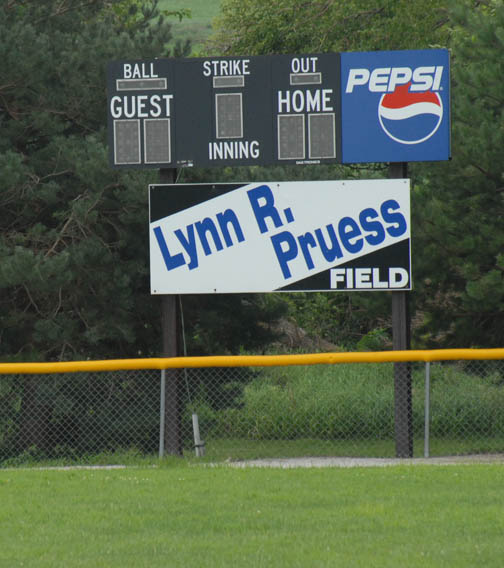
(32, 301)
(60, 236)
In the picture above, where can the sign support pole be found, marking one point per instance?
(170, 335)
(401, 324)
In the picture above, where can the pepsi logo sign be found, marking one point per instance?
(395, 106)
(410, 117)
(410, 109)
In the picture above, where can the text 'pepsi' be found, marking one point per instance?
(386, 79)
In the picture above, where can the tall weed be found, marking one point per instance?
(357, 401)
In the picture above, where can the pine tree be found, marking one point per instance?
(73, 242)
(459, 240)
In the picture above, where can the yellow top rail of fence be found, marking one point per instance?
(252, 361)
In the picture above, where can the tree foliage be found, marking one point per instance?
(255, 27)
(73, 274)
(459, 207)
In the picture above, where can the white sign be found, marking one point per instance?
(279, 236)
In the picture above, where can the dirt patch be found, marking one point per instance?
(286, 463)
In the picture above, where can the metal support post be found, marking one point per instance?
(170, 334)
(403, 409)
(162, 413)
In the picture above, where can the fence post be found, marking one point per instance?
(162, 413)
(427, 411)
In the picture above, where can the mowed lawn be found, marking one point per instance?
(192, 515)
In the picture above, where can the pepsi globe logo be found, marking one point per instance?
(410, 117)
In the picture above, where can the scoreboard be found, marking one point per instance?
(223, 111)
(384, 106)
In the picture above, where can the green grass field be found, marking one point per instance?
(198, 27)
(222, 450)
(185, 515)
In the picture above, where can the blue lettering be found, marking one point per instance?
(226, 218)
(397, 219)
(189, 245)
(305, 241)
(204, 227)
(170, 261)
(374, 227)
(348, 230)
(267, 209)
(329, 253)
(287, 254)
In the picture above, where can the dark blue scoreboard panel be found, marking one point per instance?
(279, 109)
(224, 111)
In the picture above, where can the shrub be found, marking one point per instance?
(357, 401)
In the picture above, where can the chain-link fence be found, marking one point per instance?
(358, 409)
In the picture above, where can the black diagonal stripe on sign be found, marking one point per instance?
(396, 255)
(166, 200)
